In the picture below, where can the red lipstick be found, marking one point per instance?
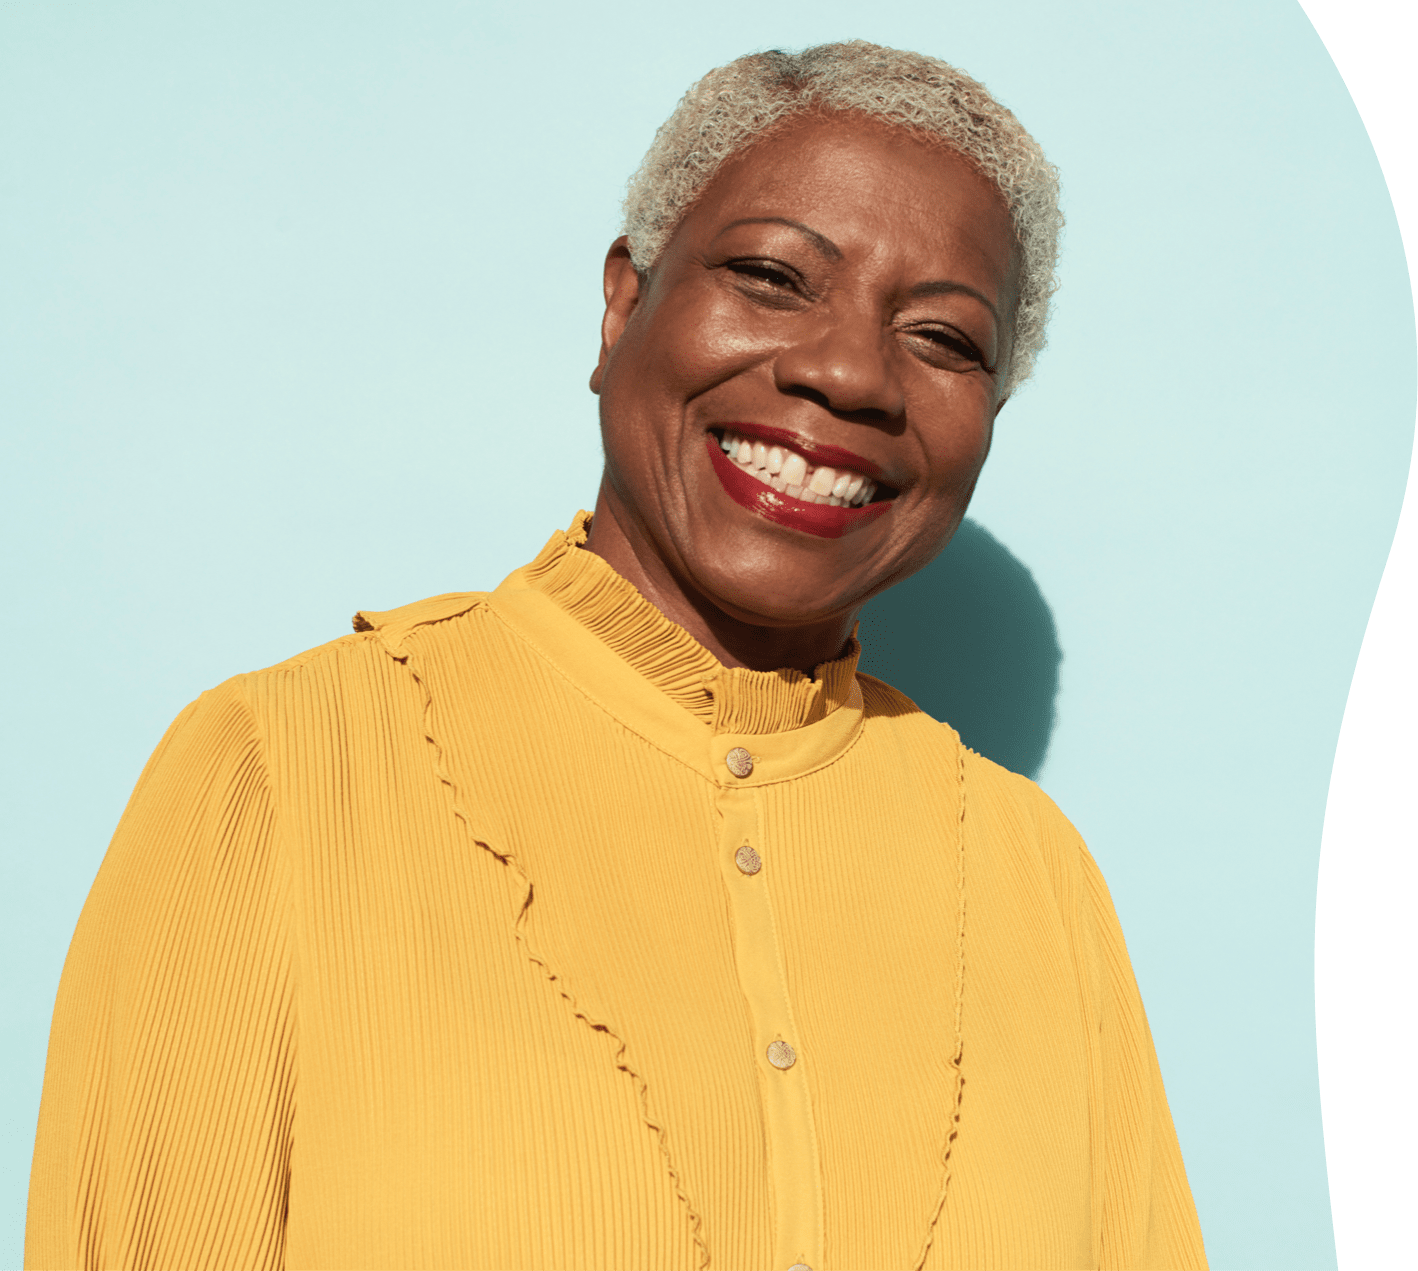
(816, 518)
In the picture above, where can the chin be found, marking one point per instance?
(775, 586)
(766, 609)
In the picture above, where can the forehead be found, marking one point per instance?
(872, 188)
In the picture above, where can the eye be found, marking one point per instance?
(948, 348)
(764, 270)
(769, 281)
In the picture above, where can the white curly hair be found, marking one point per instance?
(734, 105)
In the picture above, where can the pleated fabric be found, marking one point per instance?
(438, 946)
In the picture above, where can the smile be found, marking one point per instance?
(773, 479)
(788, 472)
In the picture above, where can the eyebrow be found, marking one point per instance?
(823, 244)
(924, 289)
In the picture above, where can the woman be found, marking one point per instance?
(610, 918)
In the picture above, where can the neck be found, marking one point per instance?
(617, 539)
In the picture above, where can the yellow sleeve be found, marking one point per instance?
(169, 1091)
(1148, 1219)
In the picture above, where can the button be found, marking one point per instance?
(748, 861)
(740, 761)
(781, 1055)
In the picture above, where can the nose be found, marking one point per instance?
(846, 363)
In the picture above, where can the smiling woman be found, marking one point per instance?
(827, 313)
(611, 918)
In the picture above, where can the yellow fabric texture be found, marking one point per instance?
(429, 948)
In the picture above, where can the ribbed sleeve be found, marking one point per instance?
(1148, 1217)
(166, 1123)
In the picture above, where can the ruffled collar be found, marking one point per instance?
(729, 699)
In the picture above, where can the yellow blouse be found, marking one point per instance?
(515, 931)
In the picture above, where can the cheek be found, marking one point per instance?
(957, 439)
(695, 343)
(675, 356)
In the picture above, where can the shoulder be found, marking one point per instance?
(376, 629)
(1009, 794)
(1009, 815)
(377, 635)
(313, 691)
(997, 786)
(1014, 816)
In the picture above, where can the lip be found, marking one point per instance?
(772, 505)
(818, 454)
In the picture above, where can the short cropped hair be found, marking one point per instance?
(731, 107)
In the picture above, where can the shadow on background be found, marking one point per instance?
(972, 641)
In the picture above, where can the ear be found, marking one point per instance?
(622, 288)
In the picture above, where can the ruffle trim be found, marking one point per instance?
(958, 1049)
(729, 699)
(642, 1090)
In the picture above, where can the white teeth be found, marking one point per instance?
(790, 473)
(795, 469)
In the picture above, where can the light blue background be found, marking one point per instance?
(299, 301)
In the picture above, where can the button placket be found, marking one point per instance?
(790, 1133)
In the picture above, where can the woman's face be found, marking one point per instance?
(836, 310)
